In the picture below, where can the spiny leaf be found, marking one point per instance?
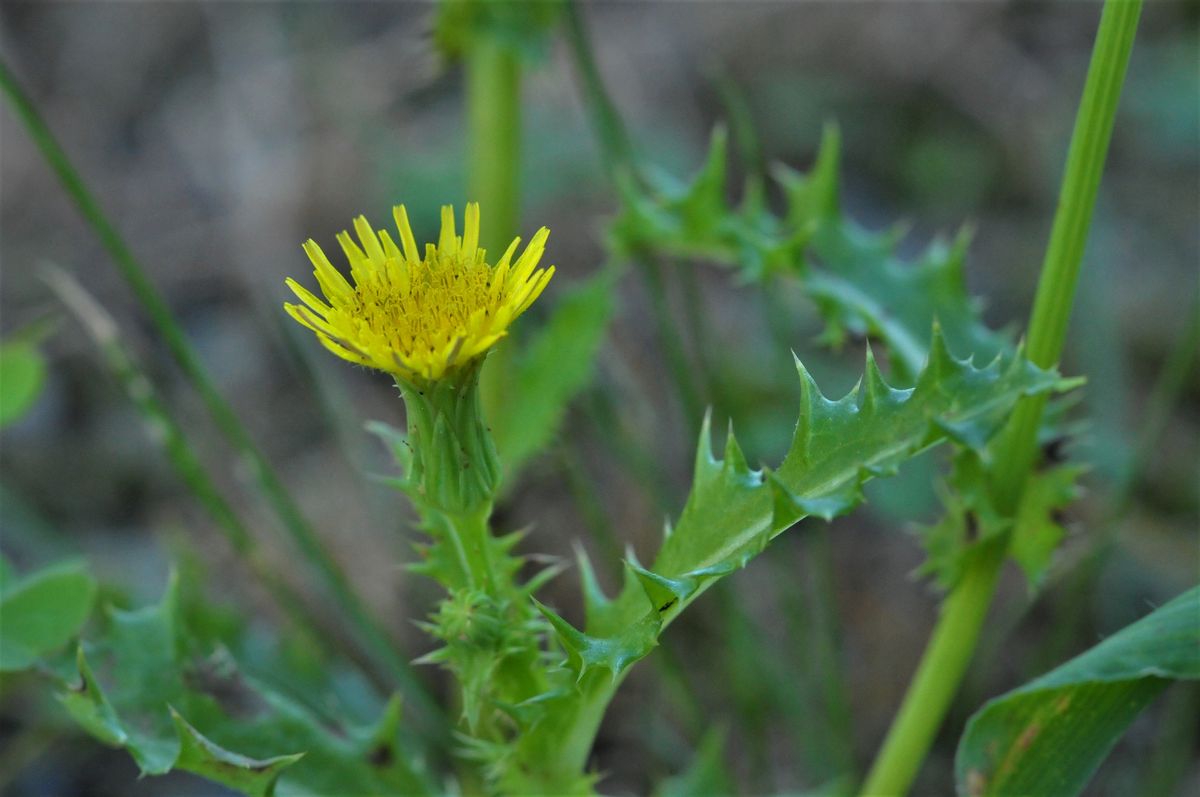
(733, 511)
(248, 775)
(1037, 531)
(970, 518)
(611, 655)
(1048, 736)
(861, 288)
(692, 220)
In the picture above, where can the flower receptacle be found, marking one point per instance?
(454, 468)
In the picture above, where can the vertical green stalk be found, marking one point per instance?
(953, 641)
(494, 139)
(493, 96)
(293, 521)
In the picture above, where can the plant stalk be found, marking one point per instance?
(963, 613)
(493, 98)
(493, 94)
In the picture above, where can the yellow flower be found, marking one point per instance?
(412, 316)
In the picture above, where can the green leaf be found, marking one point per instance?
(862, 288)
(43, 611)
(1050, 735)
(734, 510)
(146, 686)
(555, 365)
(247, 775)
(1037, 531)
(971, 519)
(22, 374)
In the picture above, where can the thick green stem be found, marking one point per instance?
(937, 678)
(494, 139)
(963, 613)
(293, 521)
(493, 97)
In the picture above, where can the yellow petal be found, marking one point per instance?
(359, 265)
(448, 241)
(332, 283)
(307, 297)
(529, 258)
(370, 241)
(471, 230)
(411, 253)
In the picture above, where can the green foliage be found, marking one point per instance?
(549, 371)
(733, 511)
(42, 612)
(147, 686)
(1037, 530)
(22, 374)
(533, 686)
(859, 283)
(1048, 736)
(971, 518)
(861, 288)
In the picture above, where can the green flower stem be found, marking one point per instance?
(297, 527)
(1068, 237)
(953, 641)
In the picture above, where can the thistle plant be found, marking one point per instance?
(179, 690)
(429, 320)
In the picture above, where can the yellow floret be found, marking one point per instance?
(414, 316)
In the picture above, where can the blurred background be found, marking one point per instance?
(219, 136)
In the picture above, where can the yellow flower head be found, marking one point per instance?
(413, 316)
